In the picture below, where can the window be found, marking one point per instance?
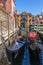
(17, 19)
(30, 15)
(30, 20)
(17, 15)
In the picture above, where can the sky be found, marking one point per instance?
(31, 6)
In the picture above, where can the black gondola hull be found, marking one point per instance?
(34, 56)
(12, 54)
(40, 35)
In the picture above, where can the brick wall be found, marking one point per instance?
(8, 6)
(2, 3)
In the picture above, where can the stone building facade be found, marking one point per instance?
(7, 11)
(24, 19)
(2, 3)
(8, 5)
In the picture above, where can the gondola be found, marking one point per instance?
(40, 33)
(32, 37)
(40, 45)
(13, 51)
(32, 42)
(18, 44)
(33, 48)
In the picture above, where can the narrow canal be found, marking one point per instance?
(28, 57)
